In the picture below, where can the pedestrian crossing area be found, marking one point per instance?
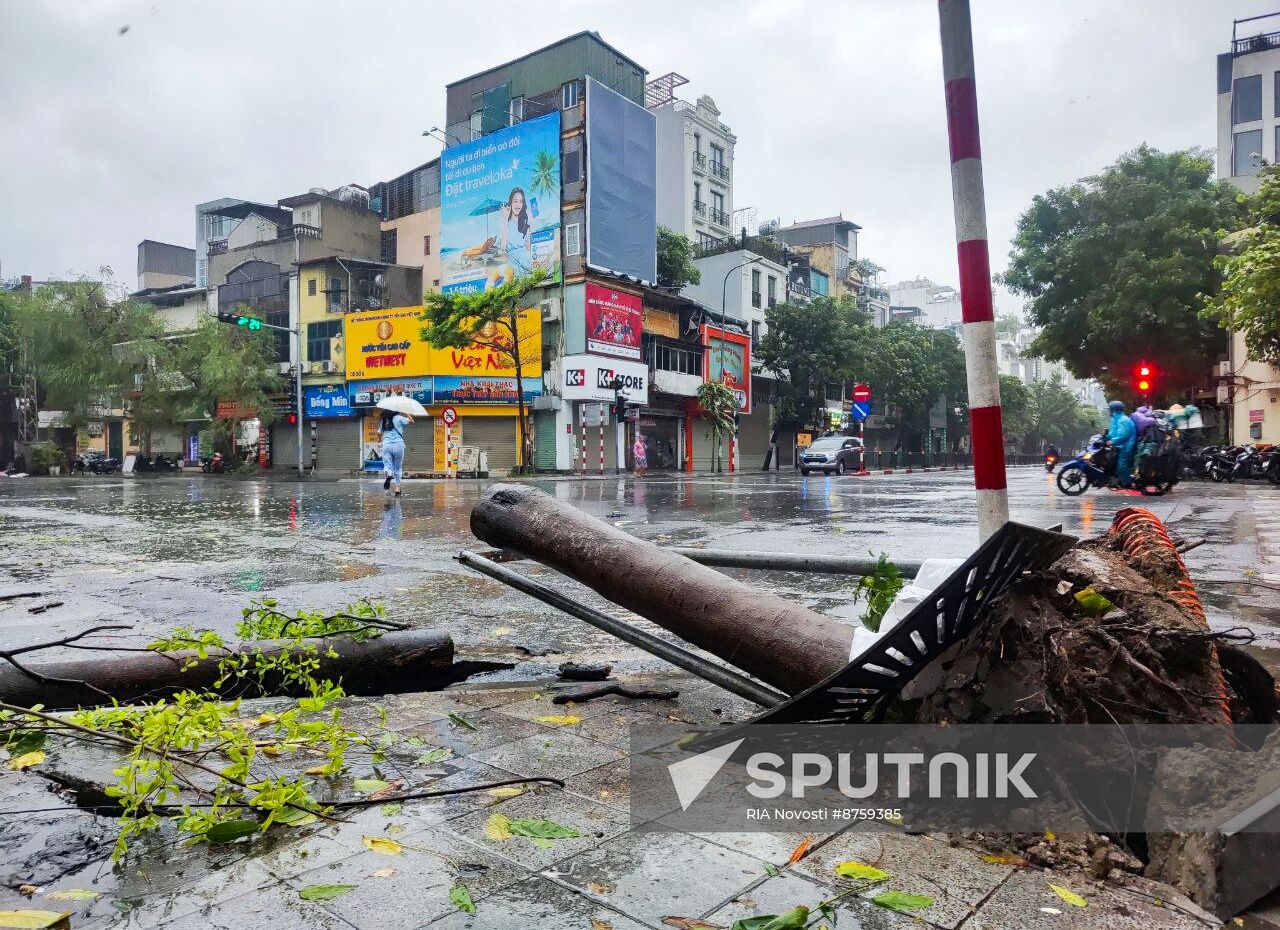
(1265, 505)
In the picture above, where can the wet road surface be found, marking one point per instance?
(159, 552)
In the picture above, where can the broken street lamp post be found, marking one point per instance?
(780, 643)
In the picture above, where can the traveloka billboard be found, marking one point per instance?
(500, 207)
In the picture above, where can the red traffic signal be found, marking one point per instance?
(1144, 377)
(293, 419)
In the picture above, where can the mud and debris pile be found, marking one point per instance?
(1112, 633)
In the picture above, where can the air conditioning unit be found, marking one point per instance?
(284, 368)
(331, 367)
(1224, 369)
(317, 367)
(550, 309)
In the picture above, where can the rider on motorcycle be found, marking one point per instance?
(1122, 434)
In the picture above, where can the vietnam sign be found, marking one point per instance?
(385, 344)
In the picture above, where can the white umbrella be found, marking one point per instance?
(399, 403)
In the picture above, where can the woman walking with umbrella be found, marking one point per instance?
(398, 412)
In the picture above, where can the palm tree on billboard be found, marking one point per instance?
(545, 180)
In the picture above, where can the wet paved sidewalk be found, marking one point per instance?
(616, 875)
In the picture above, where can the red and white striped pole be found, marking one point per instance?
(983, 374)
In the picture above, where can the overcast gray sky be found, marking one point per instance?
(111, 136)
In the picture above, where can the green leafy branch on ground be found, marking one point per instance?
(175, 744)
(878, 589)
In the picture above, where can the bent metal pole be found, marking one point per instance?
(983, 374)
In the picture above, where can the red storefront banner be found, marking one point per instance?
(726, 357)
(614, 322)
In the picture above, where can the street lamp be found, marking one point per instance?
(443, 136)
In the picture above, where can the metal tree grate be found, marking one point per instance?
(857, 693)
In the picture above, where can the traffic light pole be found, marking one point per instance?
(296, 333)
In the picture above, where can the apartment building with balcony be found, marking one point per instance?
(1249, 136)
(695, 153)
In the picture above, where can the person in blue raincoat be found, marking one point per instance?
(1124, 436)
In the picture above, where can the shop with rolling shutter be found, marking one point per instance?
(336, 444)
(753, 438)
(495, 436)
(284, 445)
(420, 446)
(544, 439)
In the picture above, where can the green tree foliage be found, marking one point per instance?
(1250, 297)
(1015, 407)
(911, 367)
(675, 259)
(808, 345)
(489, 319)
(215, 362)
(1056, 414)
(83, 346)
(1116, 266)
(719, 404)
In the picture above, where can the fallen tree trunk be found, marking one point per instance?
(783, 644)
(410, 660)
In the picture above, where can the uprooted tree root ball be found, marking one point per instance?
(1094, 639)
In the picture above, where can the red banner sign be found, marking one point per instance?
(614, 322)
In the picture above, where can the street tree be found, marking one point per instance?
(719, 405)
(490, 320)
(1015, 408)
(675, 259)
(1057, 415)
(1116, 266)
(912, 368)
(84, 346)
(213, 363)
(1249, 300)
(807, 345)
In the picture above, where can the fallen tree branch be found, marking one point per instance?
(8, 656)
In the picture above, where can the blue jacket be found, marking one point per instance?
(1122, 433)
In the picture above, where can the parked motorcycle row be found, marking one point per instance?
(97, 463)
(1229, 463)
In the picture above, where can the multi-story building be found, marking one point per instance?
(936, 306)
(694, 163)
(409, 206)
(1248, 137)
(549, 164)
(161, 264)
(217, 219)
(831, 245)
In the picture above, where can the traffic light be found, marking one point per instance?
(619, 399)
(239, 319)
(1144, 378)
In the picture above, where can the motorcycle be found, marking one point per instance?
(96, 463)
(1222, 463)
(1050, 462)
(1092, 468)
(214, 465)
(163, 463)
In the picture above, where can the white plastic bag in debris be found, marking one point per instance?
(933, 572)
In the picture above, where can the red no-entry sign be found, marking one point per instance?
(861, 392)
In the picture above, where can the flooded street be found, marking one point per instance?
(163, 552)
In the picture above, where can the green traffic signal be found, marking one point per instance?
(250, 322)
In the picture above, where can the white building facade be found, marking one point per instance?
(695, 153)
